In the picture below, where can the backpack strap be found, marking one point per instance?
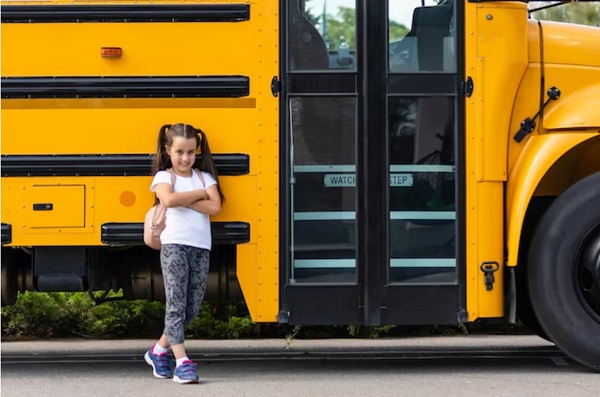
(170, 171)
(199, 173)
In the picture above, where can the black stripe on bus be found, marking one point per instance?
(126, 87)
(106, 165)
(223, 233)
(6, 233)
(126, 13)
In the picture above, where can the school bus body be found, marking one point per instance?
(90, 155)
(510, 66)
(82, 143)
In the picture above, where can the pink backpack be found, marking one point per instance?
(156, 219)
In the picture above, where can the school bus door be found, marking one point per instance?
(372, 154)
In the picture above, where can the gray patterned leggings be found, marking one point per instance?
(185, 273)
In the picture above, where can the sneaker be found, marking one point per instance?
(186, 373)
(160, 364)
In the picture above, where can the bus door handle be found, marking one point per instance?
(42, 207)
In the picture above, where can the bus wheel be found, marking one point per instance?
(8, 280)
(525, 312)
(564, 272)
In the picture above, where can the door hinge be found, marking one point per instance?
(468, 87)
(488, 269)
(275, 86)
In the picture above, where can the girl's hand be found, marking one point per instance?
(210, 205)
(202, 194)
(165, 194)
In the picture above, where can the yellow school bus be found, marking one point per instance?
(384, 162)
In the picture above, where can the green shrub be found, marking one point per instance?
(226, 321)
(61, 315)
(35, 315)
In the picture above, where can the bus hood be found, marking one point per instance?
(571, 55)
(570, 44)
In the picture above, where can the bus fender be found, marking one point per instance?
(577, 110)
(538, 155)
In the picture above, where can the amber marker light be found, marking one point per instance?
(111, 52)
(127, 198)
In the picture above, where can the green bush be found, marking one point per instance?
(61, 315)
(36, 315)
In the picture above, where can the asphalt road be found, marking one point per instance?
(434, 366)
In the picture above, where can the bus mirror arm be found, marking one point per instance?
(528, 125)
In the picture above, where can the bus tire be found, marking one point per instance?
(564, 272)
(525, 312)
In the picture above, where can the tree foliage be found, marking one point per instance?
(583, 13)
(342, 24)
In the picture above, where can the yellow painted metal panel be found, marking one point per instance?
(490, 248)
(533, 42)
(503, 58)
(493, 149)
(71, 221)
(53, 206)
(473, 119)
(580, 97)
(73, 126)
(159, 48)
(571, 44)
(122, 130)
(247, 125)
(267, 226)
(246, 259)
(526, 104)
(115, 199)
(496, 58)
(538, 155)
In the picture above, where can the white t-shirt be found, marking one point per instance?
(184, 225)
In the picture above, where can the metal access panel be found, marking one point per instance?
(53, 206)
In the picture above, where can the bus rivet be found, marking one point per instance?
(489, 17)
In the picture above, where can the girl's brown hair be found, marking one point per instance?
(167, 133)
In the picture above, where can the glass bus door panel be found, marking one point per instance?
(322, 35)
(421, 38)
(323, 190)
(422, 223)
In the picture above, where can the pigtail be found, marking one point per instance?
(161, 159)
(207, 163)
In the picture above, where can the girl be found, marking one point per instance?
(186, 239)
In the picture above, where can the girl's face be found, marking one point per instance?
(183, 154)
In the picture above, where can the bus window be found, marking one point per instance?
(421, 38)
(322, 34)
(422, 189)
(323, 189)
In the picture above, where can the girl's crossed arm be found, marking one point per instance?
(168, 198)
(211, 205)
